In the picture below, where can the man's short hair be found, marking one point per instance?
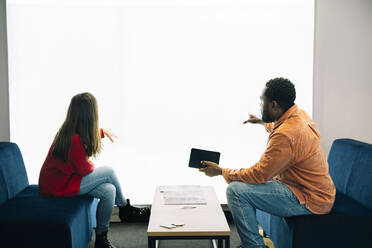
(282, 91)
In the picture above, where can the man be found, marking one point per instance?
(291, 177)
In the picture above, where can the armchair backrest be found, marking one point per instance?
(350, 166)
(13, 176)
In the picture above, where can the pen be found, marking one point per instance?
(188, 207)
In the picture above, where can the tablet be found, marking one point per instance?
(198, 155)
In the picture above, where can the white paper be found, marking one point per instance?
(182, 195)
(165, 188)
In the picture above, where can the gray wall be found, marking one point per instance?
(4, 86)
(343, 70)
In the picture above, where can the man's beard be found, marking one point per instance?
(266, 116)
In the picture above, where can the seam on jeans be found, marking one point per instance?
(286, 193)
(241, 212)
(100, 180)
(299, 207)
(101, 226)
(264, 194)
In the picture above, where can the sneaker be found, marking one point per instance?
(102, 241)
(128, 213)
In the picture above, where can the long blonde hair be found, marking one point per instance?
(81, 119)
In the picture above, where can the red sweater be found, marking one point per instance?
(58, 178)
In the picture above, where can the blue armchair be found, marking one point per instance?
(28, 220)
(350, 220)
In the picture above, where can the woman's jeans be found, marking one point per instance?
(103, 184)
(273, 197)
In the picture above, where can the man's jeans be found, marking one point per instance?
(273, 197)
(103, 184)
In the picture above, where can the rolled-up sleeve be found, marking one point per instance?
(277, 157)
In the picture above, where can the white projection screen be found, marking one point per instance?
(168, 76)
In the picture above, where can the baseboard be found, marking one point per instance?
(115, 214)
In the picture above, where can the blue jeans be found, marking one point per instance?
(273, 197)
(103, 184)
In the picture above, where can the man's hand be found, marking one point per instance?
(109, 135)
(253, 119)
(212, 169)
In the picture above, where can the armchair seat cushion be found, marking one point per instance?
(344, 205)
(64, 221)
(346, 231)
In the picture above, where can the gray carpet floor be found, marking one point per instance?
(133, 235)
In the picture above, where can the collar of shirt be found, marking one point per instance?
(286, 115)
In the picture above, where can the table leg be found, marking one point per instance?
(151, 242)
(220, 243)
(227, 242)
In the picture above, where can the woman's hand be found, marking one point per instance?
(253, 119)
(109, 135)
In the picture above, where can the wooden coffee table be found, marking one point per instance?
(203, 222)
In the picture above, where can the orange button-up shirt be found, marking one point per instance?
(293, 156)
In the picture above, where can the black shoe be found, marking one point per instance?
(102, 241)
(128, 213)
(241, 246)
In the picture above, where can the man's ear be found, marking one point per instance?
(274, 104)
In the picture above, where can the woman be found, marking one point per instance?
(67, 170)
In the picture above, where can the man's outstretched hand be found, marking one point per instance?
(253, 119)
(212, 169)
